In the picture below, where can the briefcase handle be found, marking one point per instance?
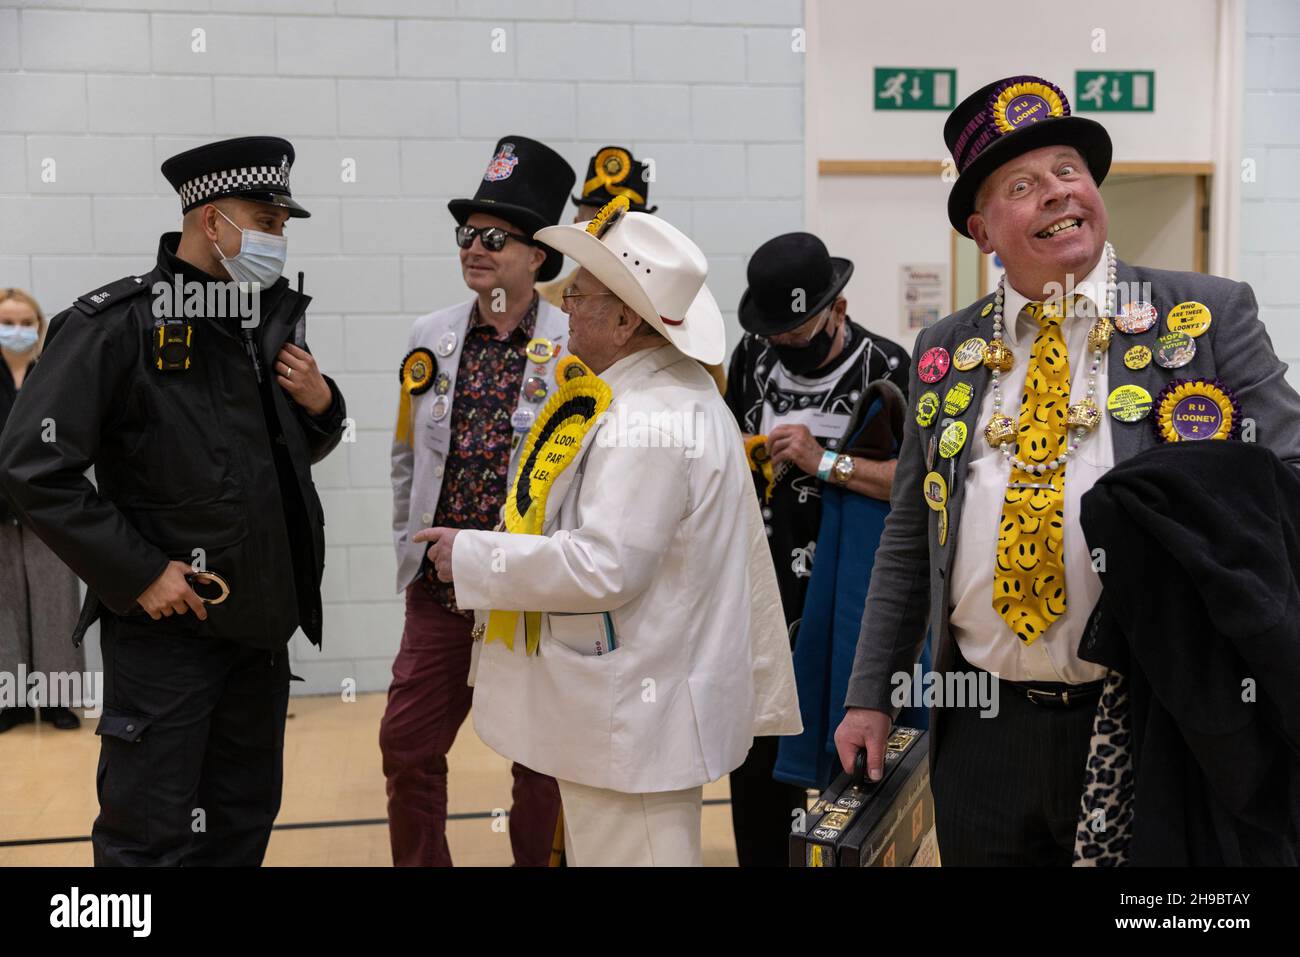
(860, 769)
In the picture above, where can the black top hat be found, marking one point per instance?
(1006, 119)
(525, 183)
(251, 167)
(778, 271)
(613, 172)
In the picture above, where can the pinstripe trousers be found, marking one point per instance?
(1007, 788)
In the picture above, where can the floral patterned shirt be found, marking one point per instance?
(474, 481)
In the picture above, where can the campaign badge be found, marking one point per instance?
(969, 354)
(1129, 403)
(1193, 318)
(1135, 317)
(927, 407)
(933, 365)
(958, 398)
(1192, 410)
(1138, 357)
(953, 438)
(1175, 349)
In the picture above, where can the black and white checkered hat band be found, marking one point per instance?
(232, 181)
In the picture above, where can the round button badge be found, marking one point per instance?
(1192, 318)
(1129, 403)
(1175, 349)
(933, 365)
(1138, 357)
(1135, 317)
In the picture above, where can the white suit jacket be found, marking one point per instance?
(662, 532)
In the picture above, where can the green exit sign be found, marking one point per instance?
(1115, 91)
(914, 88)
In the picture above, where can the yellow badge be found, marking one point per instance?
(1192, 318)
(969, 354)
(1139, 357)
(541, 350)
(552, 444)
(1190, 410)
(988, 307)
(927, 407)
(1129, 403)
(935, 489)
(958, 398)
(953, 438)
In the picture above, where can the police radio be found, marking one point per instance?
(171, 345)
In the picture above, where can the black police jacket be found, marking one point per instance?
(184, 460)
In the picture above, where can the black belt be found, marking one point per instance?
(1058, 695)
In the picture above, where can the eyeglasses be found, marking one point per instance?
(492, 237)
(788, 338)
(570, 298)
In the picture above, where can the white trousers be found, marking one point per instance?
(614, 829)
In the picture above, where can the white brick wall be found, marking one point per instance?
(413, 92)
(1270, 206)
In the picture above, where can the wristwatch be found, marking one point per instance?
(842, 470)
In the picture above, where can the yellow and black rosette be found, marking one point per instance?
(759, 458)
(416, 374)
(1190, 410)
(608, 215)
(550, 447)
(612, 166)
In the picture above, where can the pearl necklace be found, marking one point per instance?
(1083, 416)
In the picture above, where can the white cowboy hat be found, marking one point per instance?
(654, 268)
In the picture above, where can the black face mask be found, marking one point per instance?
(800, 360)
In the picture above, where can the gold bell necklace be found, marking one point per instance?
(1082, 416)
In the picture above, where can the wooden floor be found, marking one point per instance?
(331, 773)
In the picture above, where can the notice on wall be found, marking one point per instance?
(923, 292)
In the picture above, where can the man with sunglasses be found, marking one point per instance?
(797, 378)
(474, 378)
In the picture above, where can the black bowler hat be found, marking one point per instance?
(526, 183)
(778, 271)
(1006, 119)
(613, 172)
(250, 167)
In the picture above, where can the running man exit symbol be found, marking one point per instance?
(914, 88)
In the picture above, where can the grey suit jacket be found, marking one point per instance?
(909, 581)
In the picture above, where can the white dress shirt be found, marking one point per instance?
(983, 636)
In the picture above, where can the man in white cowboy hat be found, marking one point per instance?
(654, 646)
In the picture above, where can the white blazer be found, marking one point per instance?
(662, 532)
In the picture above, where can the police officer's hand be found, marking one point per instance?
(794, 443)
(298, 375)
(863, 728)
(171, 594)
(440, 550)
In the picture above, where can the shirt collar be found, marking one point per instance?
(1093, 286)
(522, 331)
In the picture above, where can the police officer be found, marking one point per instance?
(203, 545)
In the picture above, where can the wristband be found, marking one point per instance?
(826, 464)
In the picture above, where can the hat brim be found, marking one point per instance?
(257, 196)
(632, 207)
(701, 333)
(526, 219)
(760, 323)
(1087, 136)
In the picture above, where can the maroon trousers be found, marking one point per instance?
(427, 703)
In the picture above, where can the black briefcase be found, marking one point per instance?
(861, 823)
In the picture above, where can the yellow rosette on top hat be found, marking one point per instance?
(416, 374)
(550, 447)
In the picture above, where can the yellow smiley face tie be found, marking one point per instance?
(1029, 578)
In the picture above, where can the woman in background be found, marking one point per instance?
(38, 593)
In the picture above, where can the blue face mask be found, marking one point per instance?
(18, 338)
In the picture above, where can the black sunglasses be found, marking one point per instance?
(492, 237)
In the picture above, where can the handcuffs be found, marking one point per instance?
(209, 577)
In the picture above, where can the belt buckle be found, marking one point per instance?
(1046, 698)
